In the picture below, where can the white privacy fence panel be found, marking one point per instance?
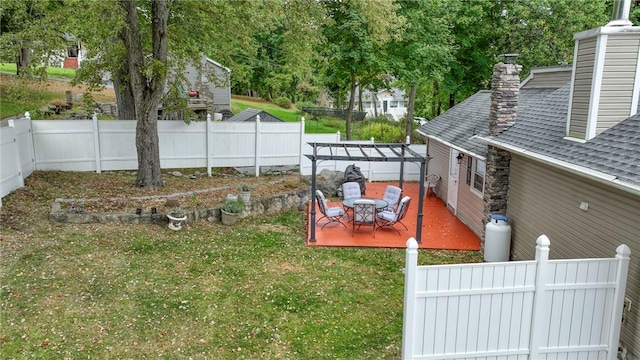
(105, 145)
(541, 309)
(64, 145)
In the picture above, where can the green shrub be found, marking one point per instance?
(283, 102)
(232, 206)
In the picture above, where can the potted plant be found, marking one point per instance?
(176, 217)
(230, 211)
(244, 191)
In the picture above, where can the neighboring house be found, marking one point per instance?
(391, 103)
(74, 54)
(565, 162)
(251, 114)
(211, 83)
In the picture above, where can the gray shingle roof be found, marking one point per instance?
(250, 115)
(459, 124)
(541, 129)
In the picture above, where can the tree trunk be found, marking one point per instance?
(147, 91)
(352, 97)
(452, 100)
(22, 62)
(409, 119)
(124, 95)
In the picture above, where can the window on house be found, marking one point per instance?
(366, 104)
(394, 104)
(478, 175)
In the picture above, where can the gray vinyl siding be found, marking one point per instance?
(220, 88)
(439, 164)
(553, 80)
(545, 200)
(470, 207)
(618, 77)
(582, 88)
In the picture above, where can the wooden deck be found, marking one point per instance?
(440, 228)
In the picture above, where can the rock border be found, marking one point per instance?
(295, 199)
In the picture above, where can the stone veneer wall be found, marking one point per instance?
(502, 115)
(296, 199)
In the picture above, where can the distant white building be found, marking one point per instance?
(389, 102)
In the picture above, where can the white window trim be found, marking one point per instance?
(473, 176)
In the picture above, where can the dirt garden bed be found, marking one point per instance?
(113, 197)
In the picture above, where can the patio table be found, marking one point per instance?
(380, 204)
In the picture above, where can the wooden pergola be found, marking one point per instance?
(366, 152)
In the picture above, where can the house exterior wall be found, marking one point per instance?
(539, 196)
(439, 164)
(618, 78)
(547, 80)
(470, 206)
(218, 93)
(583, 78)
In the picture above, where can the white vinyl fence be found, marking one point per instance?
(104, 145)
(541, 309)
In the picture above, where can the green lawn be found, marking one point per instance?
(16, 98)
(52, 72)
(249, 291)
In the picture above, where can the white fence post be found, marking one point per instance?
(622, 268)
(96, 142)
(209, 145)
(411, 265)
(372, 141)
(301, 147)
(538, 328)
(16, 147)
(257, 145)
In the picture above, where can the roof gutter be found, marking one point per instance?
(594, 175)
(458, 148)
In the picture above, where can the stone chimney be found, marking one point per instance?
(502, 115)
(505, 85)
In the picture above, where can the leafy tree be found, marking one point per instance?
(425, 51)
(31, 30)
(356, 35)
(541, 31)
(145, 45)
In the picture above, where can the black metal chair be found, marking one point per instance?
(364, 213)
(333, 214)
(389, 218)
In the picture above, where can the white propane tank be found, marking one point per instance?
(497, 239)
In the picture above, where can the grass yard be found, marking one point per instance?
(249, 291)
(52, 72)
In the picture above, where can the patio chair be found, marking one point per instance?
(388, 218)
(350, 190)
(392, 196)
(333, 214)
(364, 213)
(430, 183)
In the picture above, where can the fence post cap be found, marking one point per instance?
(412, 244)
(623, 251)
(543, 240)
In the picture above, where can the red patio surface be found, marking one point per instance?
(440, 228)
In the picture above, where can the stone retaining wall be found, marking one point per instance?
(296, 199)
